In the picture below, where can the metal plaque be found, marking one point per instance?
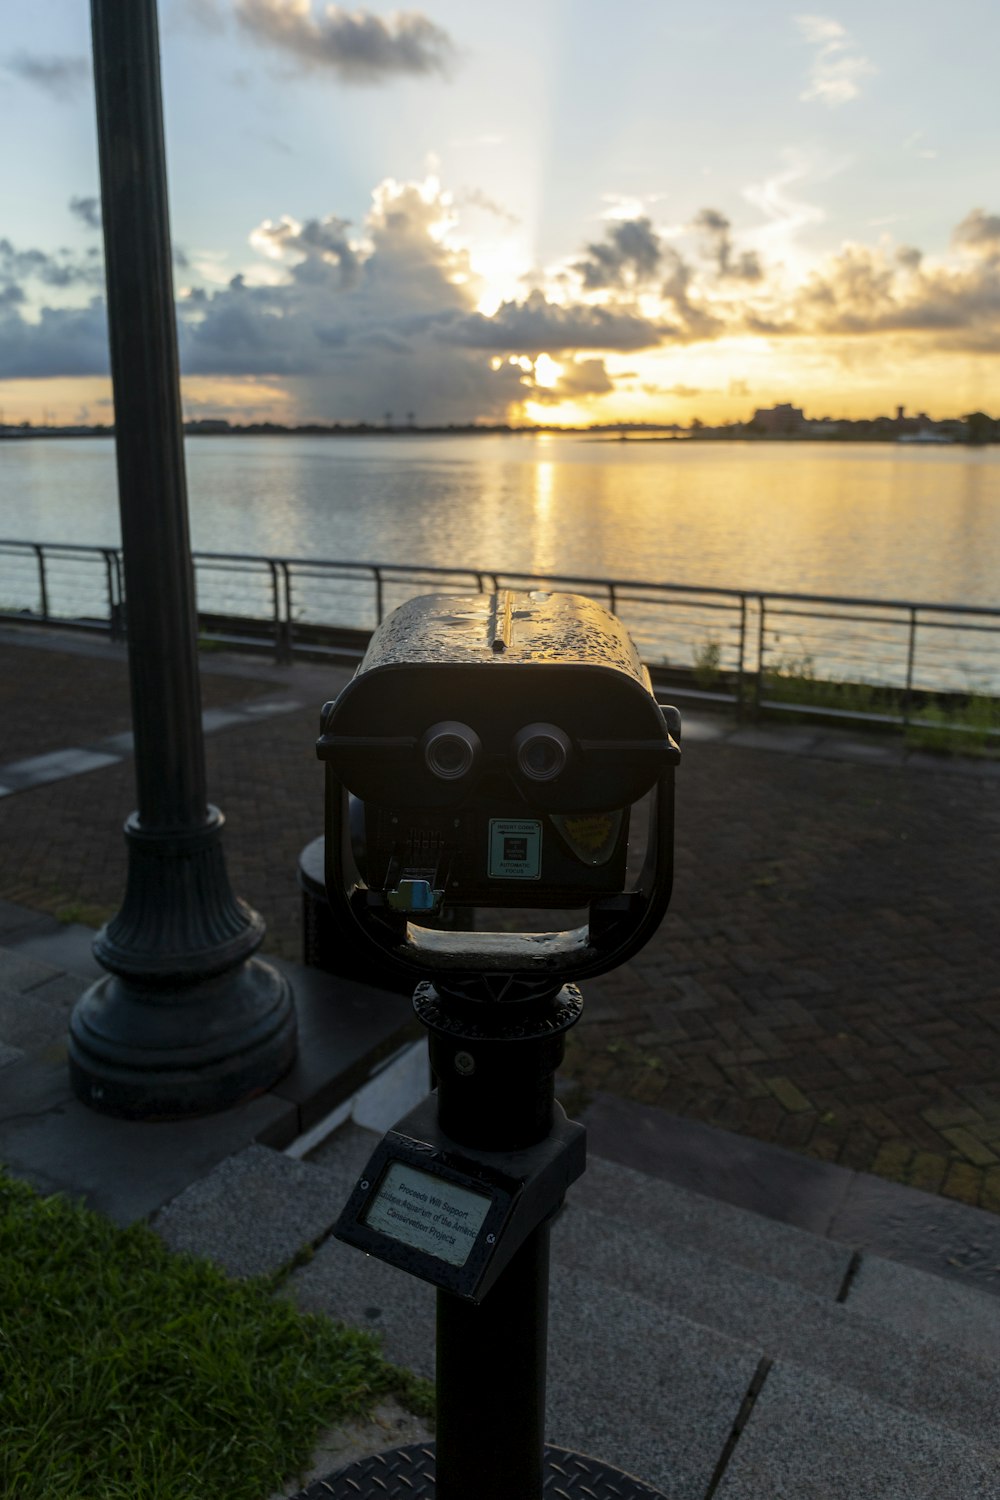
(438, 1217)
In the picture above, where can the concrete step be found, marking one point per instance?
(668, 1279)
(691, 1342)
(938, 1380)
(687, 1219)
(916, 1303)
(647, 1391)
(813, 1439)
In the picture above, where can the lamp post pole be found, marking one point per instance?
(186, 1021)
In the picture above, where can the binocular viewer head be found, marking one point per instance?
(488, 753)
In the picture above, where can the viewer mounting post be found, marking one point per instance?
(187, 1021)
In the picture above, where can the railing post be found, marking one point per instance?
(281, 644)
(741, 662)
(289, 621)
(110, 587)
(42, 581)
(911, 651)
(379, 602)
(759, 684)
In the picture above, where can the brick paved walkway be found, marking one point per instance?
(827, 978)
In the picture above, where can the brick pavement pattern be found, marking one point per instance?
(827, 977)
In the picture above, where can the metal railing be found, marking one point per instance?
(861, 658)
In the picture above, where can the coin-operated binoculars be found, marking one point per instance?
(489, 754)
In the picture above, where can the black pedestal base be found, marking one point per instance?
(409, 1474)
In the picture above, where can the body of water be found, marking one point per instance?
(895, 522)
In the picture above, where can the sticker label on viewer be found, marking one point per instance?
(515, 849)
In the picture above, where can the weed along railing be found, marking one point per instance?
(884, 661)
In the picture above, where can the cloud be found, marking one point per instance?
(323, 241)
(359, 323)
(715, 229)
(64, 78)
(979, 232)
(864, 291)
(629, 254)
(357, 46)
(87, 210)
(538, 326)
(837, 67)
(476, 198)
(579, 380)
(680, 391)
(207, 14)
(58, 270)
(353, 321)
(696, 322)
(63, 342)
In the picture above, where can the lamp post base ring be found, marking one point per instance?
(409, 1474)
(141, 1054)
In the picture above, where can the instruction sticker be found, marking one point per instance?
(515, 849)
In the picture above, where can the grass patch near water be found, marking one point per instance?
(130, 1373)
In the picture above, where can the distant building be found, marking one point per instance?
(207, 424)
(778, 421)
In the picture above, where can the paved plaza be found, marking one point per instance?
(827, 978)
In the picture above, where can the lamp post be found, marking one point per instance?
(187, 1021)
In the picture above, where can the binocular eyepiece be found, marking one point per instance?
(488, 753)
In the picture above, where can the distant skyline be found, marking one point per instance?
(550, 212)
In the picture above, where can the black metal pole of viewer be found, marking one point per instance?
(495, 1065)
(186, 1022)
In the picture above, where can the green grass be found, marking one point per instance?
(131, 1373)
(707, 664)
(964, 725)
(969, 728)
(87, 912)
(793, 679)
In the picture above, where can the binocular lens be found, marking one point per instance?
(450, 750)
(541, 751)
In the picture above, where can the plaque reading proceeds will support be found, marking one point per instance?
(438, 1217)
(452, 1214)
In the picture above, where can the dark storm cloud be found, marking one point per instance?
(629, 254)
(538, 326)
(64, 78)
(355, 45)
(60, 269)
(716, 232)
(87, 210)
(64, 341)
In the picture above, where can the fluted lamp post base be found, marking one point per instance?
(186, 1022)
